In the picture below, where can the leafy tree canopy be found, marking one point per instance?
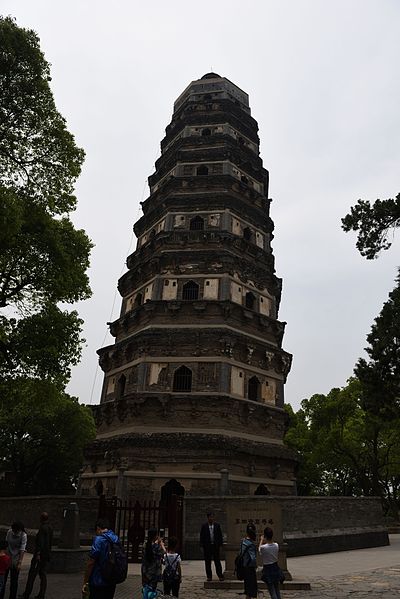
(43, 258)
(43, 263)
(42, 435)
(380, 375)
(39, 158)
(373, 223)
(346, 450)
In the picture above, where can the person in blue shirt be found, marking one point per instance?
(249, 551)
(93, 580)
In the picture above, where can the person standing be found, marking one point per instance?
(172, 574)
(211, 541)
(16, 540)
(5, 563)
(41, 558)
(271, 573)
(93, 579)
(154, 552)
(248, 550)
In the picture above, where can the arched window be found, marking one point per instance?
(244, 179)
(182, 379)
(247, 233)
(250, 300)
(190, 291)
(121, 386)
(205, 132)
(262, 490)
(202, 170)
(253, 389)
(152, 233)
(138, 300)
(196, 224)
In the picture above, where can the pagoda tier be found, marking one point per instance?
(194, 381)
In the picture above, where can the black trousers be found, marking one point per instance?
(211, 552)
(172, 587)
(102, 592)
(14, 573)
(37, 567)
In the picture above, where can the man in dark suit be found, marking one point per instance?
(211, 540)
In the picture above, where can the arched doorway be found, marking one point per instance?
(253, 389)
(197, 224)
(190, 291)
(172, 487)
(182, 379)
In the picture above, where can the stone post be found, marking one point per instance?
(69, 538)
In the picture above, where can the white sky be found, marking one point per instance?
(324, 86)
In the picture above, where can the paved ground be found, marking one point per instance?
(371, 573)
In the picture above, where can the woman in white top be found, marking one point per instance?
(16, 539)
(271, 573)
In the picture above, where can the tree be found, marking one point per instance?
(43, 263)
(373, 224)
(345, 449)
(380, 376)
(43, 258)
(42, 435)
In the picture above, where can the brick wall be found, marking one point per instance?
(310, 524)
(28, 510)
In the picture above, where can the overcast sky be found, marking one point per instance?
(324, 86)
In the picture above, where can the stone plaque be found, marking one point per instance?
(261, 514)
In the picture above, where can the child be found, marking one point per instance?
(5, 563)
(172, 574)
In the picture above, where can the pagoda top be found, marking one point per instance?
(215, 86)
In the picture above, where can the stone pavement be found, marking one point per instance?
(347, 574)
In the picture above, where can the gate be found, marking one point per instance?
(131, 521)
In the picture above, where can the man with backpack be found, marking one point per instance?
(107, 565)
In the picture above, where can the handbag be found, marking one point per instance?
(281, 576)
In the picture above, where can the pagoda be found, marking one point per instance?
(193, 385)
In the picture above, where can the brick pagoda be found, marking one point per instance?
(193, 384)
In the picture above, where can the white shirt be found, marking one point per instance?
(269, 553)
(211, 527)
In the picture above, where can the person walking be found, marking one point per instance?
(16, 540)
(93, 581)
(271, 573)
(154, 552)
(41, 558)
(211, 541)
(248, 550)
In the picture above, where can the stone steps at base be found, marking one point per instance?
(232, 585)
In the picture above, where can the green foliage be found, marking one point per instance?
(373, 224)
(38, 155)
(345, 449)
(43, 259)
(43, 262)
(42, 435)
(381, 375)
